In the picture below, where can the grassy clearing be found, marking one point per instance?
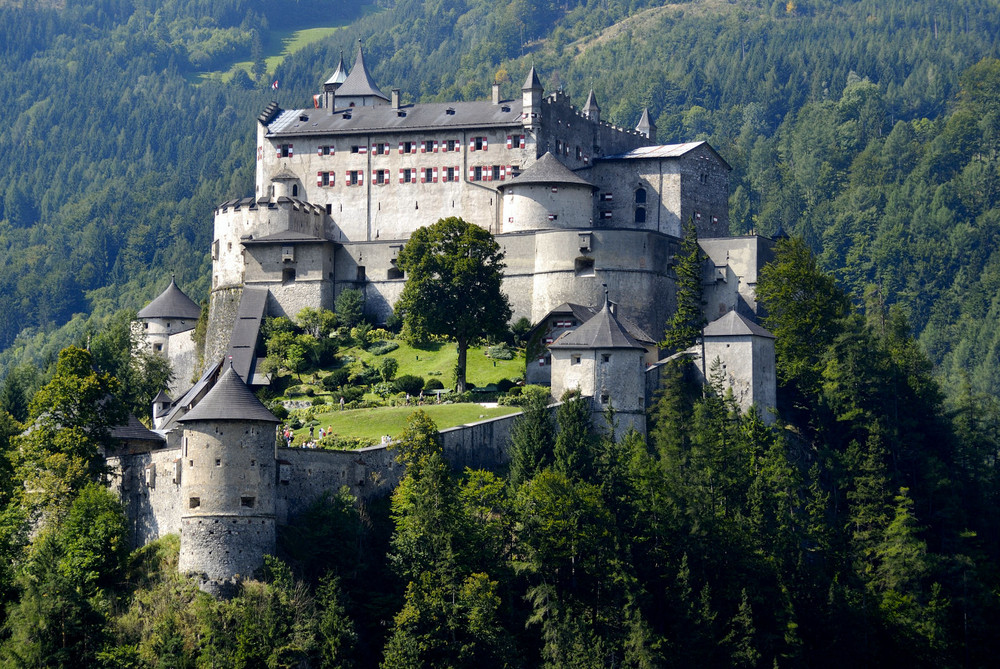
(439, 360)
(374, 423)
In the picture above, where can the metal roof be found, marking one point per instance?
(243, 340)
(171, 303)
(603, 331)
(664, 151)
(386, 119)
(734, 324)
(547, 170)
(584, 313)
(359, 82)
(340, 74)
(230, 399)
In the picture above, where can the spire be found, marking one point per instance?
(359, 82)
(646, 126)
(532, 82)
(340, 74)
(591, 110)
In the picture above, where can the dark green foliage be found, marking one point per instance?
(382, 347)
(532, 437)
(433, 384)
(408, 383)
(684, 327)
(336, 379)
(349, 306)
(453, 272)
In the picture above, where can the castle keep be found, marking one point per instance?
(583, 210)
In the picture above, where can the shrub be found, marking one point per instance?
(409, 383)
(382, 347)
(309, 391)
(359, 332)
(378, 334)
(433, 384)
(387, 369)
(295, 391)
(504, 385)
(318, 401)
(349, 393)
(295, 423)
(500, 352)
(278, 409)
(393, 323)
(336, 379)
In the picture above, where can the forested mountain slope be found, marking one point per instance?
(844, 122)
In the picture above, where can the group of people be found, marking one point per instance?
(289, 435)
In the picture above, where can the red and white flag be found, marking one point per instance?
(274, 86)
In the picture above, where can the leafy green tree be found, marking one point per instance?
(349, 307)
(684, 326)
(454, 270)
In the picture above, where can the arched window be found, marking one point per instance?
(295, 190)
(640, 195)
(640, 214)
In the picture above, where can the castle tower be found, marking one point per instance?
(745, 355)
(227, 485)
(167, 323)
(646, 126)
(531, 100)
(331, 85)
(547, 195)
(607, 364)
(591, 110)
(359, 88)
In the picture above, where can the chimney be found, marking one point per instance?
(395, 98)
(496, 94)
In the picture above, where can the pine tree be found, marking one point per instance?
(684, 327)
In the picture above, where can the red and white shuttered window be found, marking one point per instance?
(380, 177)
(451, 145)
(325, 179)
(325, 151)
(450, 173)
(490, 172)
(429, 175)
(355, 177)
(515, 141)
(407, 176)
(407, 147)
(380, 149)
(478, 144)
(285, 151)
(428, 146)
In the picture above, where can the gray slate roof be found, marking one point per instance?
(645, 123)
(584, 313)
(603, 331)
(133, 430)
(340, 74)
(385, 119)
(359, 82)
(171, 303)
(591, 105)
(285, 237)
(243, 340)
(532, 81)
(547, 170)
(734, 324)
(230, 399)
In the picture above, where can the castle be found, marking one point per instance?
(583, 210)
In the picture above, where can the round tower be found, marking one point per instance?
(546, 196)
(227, 485)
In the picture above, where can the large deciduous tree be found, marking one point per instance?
(453, 270)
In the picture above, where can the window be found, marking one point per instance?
(355, 178)
(478, 144)
(579, 153)
(605, 357)
(157, 347)
(428, 146)
(477, 173)
(451, 174)
(640, 214)
(285, 151)
(380, 149)
(325, 178)
(515, 141)
(429, 175)
(558, 146)
(287, 253)
(325, 151)
(246, 502)
(574, 359)
(703, 178)
(329, 209)
(218, 462)
(606, 215)
(553, 217)
(380, 177)
(288, 275)
(407, 147)
(362, 276)
(407, 176)
(606, 197)
(497, 173)
(360, 149)
(640, 195)
(394, 273)
(295, 190)
(605, 399)
(194, 502)
(451, 145)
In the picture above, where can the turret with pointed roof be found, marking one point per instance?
(646, 126)
(359, 88)
(171, 303)
(531, 99)
(591, 110)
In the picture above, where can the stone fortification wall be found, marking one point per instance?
(305, 475)
(183, 356)
(730, 278)
(150, 492)
(223, 307)
(575, 139)
(227, 498)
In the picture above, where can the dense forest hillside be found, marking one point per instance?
(858, 125)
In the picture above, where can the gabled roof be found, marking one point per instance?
(230, 399)
(171, 303)
(359, 82)
(340, 74)
(532, 82)
(134, 430)
(547, 170)
(664, 151)
(603, 331)
(734, 324)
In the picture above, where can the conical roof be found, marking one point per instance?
(340, 74)
(532, 81)
(162, 397)
(547, 170)
(171, 303)
(645, 124)
(230, 399)
(734, 324)
(600, 332)
(591, 105)
(359, 82)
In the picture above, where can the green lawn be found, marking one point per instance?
(442, 358)
(374, 423)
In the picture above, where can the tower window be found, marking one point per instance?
(605, 357)
(574, 359)
(584, 267)
(247, 502)
(288, 275)
(194, 502)
(640, 214)
(295, 190)
(640, 195)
